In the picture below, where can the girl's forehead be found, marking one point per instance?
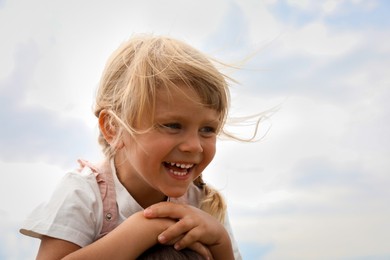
(183, 101)
(180, 91)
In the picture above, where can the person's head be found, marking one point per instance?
(161, 104)
(164, 252)
(145, 65)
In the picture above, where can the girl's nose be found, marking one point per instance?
(191, 143)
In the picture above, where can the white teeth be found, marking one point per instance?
(181, 165)
(178, 173)
(185, 168)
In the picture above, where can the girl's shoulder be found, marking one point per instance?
(72, 213)
(80, 182)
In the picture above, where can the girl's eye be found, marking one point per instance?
(177, 127)
(171, 127)
(208, 130)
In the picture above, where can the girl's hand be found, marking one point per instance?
(193, 227)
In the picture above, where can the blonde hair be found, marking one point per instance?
(134, 73)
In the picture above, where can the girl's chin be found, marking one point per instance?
(177, 193)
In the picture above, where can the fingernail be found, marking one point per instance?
(161, 238)
(148, 212)
(177, 246)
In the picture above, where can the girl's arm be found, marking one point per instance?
(127, 241)
(193, 226)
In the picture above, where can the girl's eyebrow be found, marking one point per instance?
(168, 116)
(174, 117)
(213, 121)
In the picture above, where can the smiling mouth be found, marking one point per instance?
(179, 169)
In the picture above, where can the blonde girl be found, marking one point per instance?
(160, 106)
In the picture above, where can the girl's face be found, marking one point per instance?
(166, 159)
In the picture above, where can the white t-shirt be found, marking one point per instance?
(75, 211)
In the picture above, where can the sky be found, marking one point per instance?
(315, 186)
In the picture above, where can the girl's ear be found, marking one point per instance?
(109, 129)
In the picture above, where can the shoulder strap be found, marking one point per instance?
(106, 185)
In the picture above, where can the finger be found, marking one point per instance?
(201, 250)
(168, 209)
(179, 229)
(173, 241)
(194, 235)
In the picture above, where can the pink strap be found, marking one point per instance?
(106, 184)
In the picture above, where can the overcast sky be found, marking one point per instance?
(315, 187)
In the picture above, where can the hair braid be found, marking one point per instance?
(213, 201)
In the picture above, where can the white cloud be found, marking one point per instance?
(317, 39)
(330, 7)
(27, 185)
(318, 236)
(262, 24)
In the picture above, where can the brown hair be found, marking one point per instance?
(166, 252)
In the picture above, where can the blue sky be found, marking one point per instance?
(315, 187)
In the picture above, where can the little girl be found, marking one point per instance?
(160, 106)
